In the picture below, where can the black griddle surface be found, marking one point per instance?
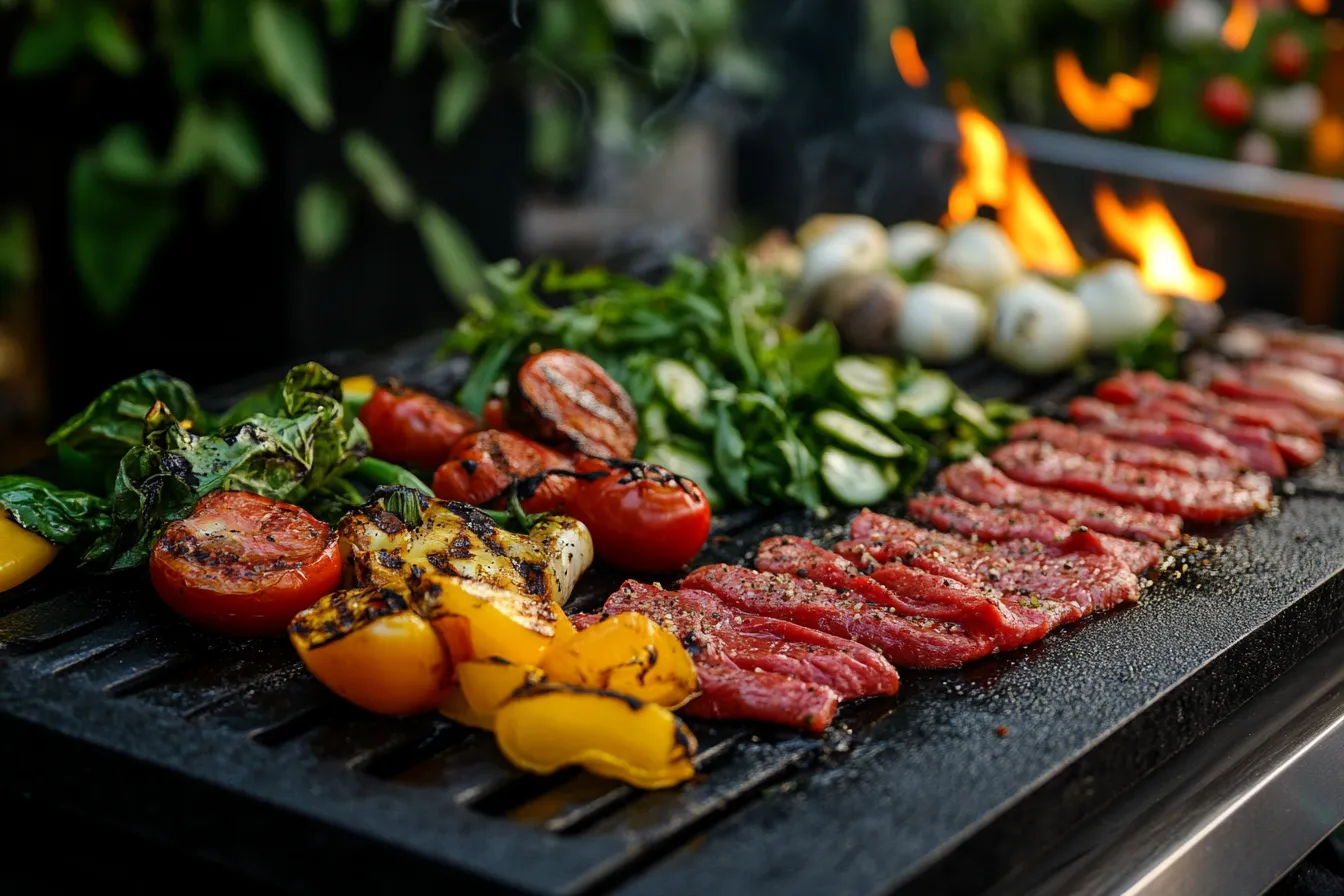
(228, 750)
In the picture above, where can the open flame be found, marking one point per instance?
(984, 159)
(908, 61)
(1147, 231)
(1314, 7)
(1109, 106)
(1001, 180)
(1240, 23)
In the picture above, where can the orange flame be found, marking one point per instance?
(1103, 107)
(1240, 23)
(1147, 231)
(1314, 7)
(1032, 226)
(908, 61)
(984, 156)
(1000, 180)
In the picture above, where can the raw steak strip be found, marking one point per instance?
(1253, 446)
(1139, 388)
(984, 523)
(1161, 491)
(906, 642)
(1077, 574)
(979, 482)
(1101, 447)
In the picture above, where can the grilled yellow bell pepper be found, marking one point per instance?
(545, 727)
(476, 620)
(23, 554)
(627, 653)
(486, 684)
(368, 646)
(456, 707)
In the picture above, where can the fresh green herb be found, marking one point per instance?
(58, 515)
(1155, 350)
(379, 472)
(722, 385)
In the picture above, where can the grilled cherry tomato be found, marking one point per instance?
(641, 516)
(567, 399)
(495, 414)
(1227, 101)
(484, 464)
(243, 564)
(414, 428)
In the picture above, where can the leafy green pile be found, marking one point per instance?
(144, 452)
(756, 412)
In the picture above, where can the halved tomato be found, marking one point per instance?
(243, 564)
(484, 464)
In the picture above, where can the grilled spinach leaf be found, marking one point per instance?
(59, 515)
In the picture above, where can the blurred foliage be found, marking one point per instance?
(1003, 50)
(592, 70)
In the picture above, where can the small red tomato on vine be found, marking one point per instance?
(1288, 57)
(1227, 101)
(641, 516)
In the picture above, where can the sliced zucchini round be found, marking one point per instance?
(853, 480)
(683, 390)
(857, 434)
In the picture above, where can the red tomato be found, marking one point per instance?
(495, 414)
(567, 399)
(1288, 56)
(1227, 101)
(641, 516)
(243, 564)
(484, 464)
(414, 428)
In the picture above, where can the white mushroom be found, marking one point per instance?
(978, 257)
(941, 324)
(1118, 305)
(852, 246)
(1290, 111)
(865, 308)
(911, 242)
(1038, 328)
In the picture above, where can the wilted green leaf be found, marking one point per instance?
(322, 218)
(376, 170)
(235, 149)
(410, 36)
(115, 229)
(47, 44)
(110, 41)
(125, 155)
(451, 253)
(191, 142)
(341, 16)
(459, 96)
(291, 56)
(18, 253)
(59, 516)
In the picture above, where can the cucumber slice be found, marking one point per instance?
(853, 480)
(653, 423)
(881, 408)
(865, 376)
(684, 463)
(683, 389)
(929, 394)
(972, 414)
(857, 434)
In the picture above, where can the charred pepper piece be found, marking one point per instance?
(546, 727)
(477, 620)
(627, 653)
(368, 646)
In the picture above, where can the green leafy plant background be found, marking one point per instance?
(125, 193)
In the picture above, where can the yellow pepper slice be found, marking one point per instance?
(358, 386)
(456, 707)
(23, 554)
(627, 653)
(488, 683)
(546, 727)
(368, 646)
(477, 620)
